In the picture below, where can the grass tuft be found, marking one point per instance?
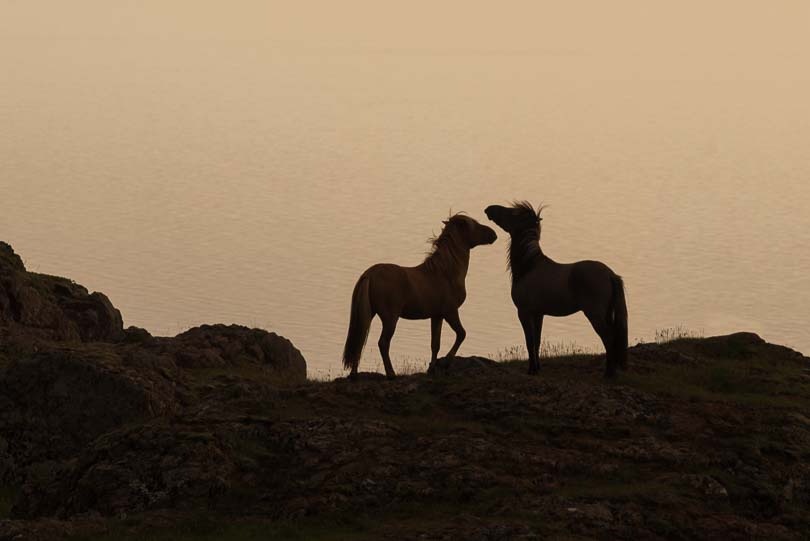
(548, 350)
(679, 332)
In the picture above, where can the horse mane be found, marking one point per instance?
(524, 248)
(447, 252)
(525, 205)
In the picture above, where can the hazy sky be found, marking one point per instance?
(742, 29)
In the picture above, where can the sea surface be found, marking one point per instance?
(246, 161)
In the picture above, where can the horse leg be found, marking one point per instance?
(455, 324)
(389, 325)
(529, 324)
(435, 338)
(538, 326)
(599, 322)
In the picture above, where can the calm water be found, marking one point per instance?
(246, 164)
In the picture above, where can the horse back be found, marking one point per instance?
(591, 280)
(561, 289)
(410, 292)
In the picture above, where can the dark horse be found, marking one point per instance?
(433, 290)
(542, 287)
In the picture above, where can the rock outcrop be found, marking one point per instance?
(52, 307)
(220, 346)
(54, 403)
(95, 418)
(459, 365)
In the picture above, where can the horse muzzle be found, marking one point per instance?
(495, 214)
(489, 236)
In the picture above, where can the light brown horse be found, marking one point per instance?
(543, 287)
(433, 290)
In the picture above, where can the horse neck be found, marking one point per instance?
(464, 262)
(451, 260)
(524, 253)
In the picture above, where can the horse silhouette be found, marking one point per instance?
(432, 290)
(541, 286)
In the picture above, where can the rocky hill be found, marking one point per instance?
(110, 433)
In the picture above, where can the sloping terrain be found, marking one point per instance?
(215, 434)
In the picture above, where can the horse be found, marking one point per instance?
(541, 287)
(432, 290)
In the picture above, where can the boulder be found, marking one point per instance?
(228, 345)
(445, 365)
(741, 345)
(52, 307)
(139, 467)
(53, 403)
(137, 335)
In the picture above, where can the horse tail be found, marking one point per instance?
(619, 309)
(359, 324)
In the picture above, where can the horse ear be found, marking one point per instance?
(445, 222)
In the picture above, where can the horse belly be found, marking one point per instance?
(546, 298)
(559, 310)
(420, 304)
(415, 312)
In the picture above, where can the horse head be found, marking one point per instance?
(517, 219)
(473, 233)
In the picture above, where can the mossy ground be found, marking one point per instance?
(7, 497)
(742, 404)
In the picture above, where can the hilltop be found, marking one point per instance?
(111, 433)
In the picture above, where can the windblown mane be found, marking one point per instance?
(447, 248)
(524, 248)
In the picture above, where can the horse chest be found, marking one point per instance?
(460, 296)
(458, 292)
(454, 296)
(520, 296)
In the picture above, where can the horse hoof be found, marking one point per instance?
(391, 376)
